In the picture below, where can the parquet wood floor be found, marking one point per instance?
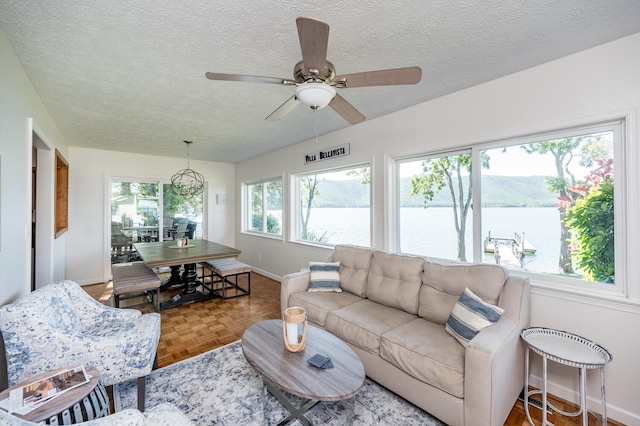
(196, 328)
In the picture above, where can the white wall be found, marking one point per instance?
(598, 83)
(590, 86)
(21, 111)
(90, 230)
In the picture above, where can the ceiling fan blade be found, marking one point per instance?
(249, 78)
(314, 38)
(283, 109)
(346, 110)
(390, 77)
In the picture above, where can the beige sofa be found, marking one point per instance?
(392, 311)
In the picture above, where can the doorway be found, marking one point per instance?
(148, 211)
(34, 206)
(42, 189)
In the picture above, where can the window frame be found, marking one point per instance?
(424, 157)
(295, 225)
(110, 179)
(247, 208)
(617, 126)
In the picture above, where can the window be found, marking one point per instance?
(141, 213)
(435, 206)
(545, 204)
(264, 212)
(176, 207)
(134, 217)
(333, 207)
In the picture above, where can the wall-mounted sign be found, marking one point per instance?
(325, 154)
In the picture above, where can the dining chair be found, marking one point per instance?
(167, 229)
(181, 229)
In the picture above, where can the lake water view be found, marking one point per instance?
(431, 231)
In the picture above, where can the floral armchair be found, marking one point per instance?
(160, 415)
(61, 325)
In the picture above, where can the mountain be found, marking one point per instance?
(497, 191)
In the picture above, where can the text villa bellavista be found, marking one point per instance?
(325, 154)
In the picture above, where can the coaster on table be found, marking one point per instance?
(320, 361)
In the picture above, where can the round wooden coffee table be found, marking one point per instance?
(263, 347)
(85, 402)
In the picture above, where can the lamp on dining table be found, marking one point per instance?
(187, 182)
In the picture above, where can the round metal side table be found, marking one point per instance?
(567, 349)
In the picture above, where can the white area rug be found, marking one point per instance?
(220, 388)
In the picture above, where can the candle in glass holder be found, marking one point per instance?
(292, 333)
(294, 328)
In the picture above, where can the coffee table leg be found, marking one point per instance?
(295, 413)
(350, 407)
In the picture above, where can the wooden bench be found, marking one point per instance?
(221, 271)
(133, 278)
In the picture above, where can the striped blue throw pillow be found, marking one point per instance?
(470, 315)
(325, 276)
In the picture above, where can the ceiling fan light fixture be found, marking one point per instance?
(316, 95)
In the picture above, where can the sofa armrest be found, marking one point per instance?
(515, 299)
(293, 283)
(494, 373)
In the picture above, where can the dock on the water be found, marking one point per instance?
(509, 252)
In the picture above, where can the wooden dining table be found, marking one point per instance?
(168, 254)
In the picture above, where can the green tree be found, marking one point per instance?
(256, 205)
(439, 173)
(177, 205)
(591, 222)
(567, 152)
(274, 195)
(364, 173)
(273, 202)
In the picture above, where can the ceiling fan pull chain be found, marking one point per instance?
(315, 122)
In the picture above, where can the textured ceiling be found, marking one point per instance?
(129, 75)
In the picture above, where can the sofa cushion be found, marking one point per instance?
(362, 323)
(395, 280)
(444, 283)
(318, 304)
(324, 276)
(469, 316)
(427, 352)
(354, 267)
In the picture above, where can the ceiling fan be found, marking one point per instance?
(315, 77)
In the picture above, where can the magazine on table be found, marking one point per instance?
(27, 398)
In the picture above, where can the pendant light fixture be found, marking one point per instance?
(187, 182)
